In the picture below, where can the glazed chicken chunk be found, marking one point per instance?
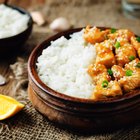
(118, 72)
(123, 33)
(124, 53)
(111, 89)
(98, 72)
(94, 35)
(105, 55)
(135, 41)
(131, 80)
(133, 65)
(116, 69)
(101, 78)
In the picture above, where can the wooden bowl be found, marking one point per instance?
(13, 43)
(80, 114)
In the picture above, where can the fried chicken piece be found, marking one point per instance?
(98, 72)
(123, 53)
(113, 89)
(130, 83)
(107, 44)
(94, 35)
(131, 80)
(136, 44)
(133, 65)
(118, 72)
(105, 54)
(123, 33)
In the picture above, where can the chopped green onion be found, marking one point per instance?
(131, 57)
(128, 72)
(104, 83)
(138, 65)
(110, 72)
(138, 39)
(113, 30)
(117, 45)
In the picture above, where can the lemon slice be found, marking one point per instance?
(9, 107)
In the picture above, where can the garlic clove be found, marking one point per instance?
(60, 24)
(38, 18)
(2, 80)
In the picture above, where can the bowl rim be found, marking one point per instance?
(32, 73)
(23, 11)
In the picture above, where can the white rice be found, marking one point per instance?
(63, 66)
(12, 22)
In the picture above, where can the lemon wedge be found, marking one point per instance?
(9, 107)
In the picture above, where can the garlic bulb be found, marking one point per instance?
(60, 24)
(38, 18)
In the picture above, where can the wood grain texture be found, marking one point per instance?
(84, 121)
